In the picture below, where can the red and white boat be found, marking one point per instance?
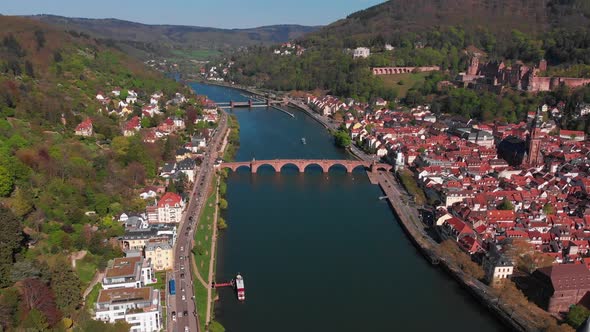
(239, 286)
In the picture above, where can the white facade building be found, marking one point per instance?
(361, 52)
(140, 307)
(129, 272)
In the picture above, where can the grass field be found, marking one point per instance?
(86, 268)
(196, 54)
(203, 236)
(407, 81)
(408, 181)
(93, 296)
(202, 252)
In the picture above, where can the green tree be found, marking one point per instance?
(22, 202)
(342, 138)
(11, 238)
(66, 286)
(35, 321)
(6, 181)
(221, 224)
(9, 300)
(505, 205)
(120, 146)
(548, 209)
(577, 315)
(215, 326)
(223, 204)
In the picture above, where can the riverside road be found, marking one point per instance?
(183, 303)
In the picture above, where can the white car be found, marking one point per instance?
(183, 297)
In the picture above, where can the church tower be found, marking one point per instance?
(534, 157)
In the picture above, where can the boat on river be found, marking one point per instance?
(238, 284)
(303, 140)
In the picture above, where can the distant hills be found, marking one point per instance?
(146, 41)
(497, 16)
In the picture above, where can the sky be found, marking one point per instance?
(206, 13)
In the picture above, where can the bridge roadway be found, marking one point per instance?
(302, 164)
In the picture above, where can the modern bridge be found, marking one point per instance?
(302, 164)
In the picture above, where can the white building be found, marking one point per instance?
(129, 272)
(140, 307)
(170, 208)
(361, 52)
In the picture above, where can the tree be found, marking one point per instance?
(6, 181)
(35, 321)
(577, 315)
(221, 224)
(11, 238)
(342, 138)
(222, 204)
(21, 203)
(66, 286)
(29, 269)
(36, 295)
(548, 209)
(505, 205)
(8, 308)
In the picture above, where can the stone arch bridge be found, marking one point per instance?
(302, 164)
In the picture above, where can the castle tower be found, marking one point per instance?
(543, 65)
(473, 66)
(534, 157)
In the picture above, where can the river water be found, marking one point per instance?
(321, 252)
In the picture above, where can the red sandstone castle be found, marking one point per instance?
(520, 76)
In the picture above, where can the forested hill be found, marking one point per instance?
(145, 41)
(50, 179)
(396, 17)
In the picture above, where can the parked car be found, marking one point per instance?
(174, 316)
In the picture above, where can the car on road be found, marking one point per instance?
(182, 275)
(181, 248)
(183, 297)
(186, 329)
(174, 316)
(185, 313)
(181, 257)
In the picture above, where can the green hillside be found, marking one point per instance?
(51, 179)
(148, 41)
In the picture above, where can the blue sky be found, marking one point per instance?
(210, 13)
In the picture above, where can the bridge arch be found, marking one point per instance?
(313, 163)
(279, 167)
(256, 166)
(236, 168)
(353, 167)
(337, 166)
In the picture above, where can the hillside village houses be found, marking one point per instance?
(149, 237)
(482, 201)
(85, 128)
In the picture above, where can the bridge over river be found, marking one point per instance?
(302, 164)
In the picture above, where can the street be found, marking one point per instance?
(183, 303)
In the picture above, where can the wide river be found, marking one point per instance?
(321, 252)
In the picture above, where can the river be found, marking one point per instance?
(321, 252)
